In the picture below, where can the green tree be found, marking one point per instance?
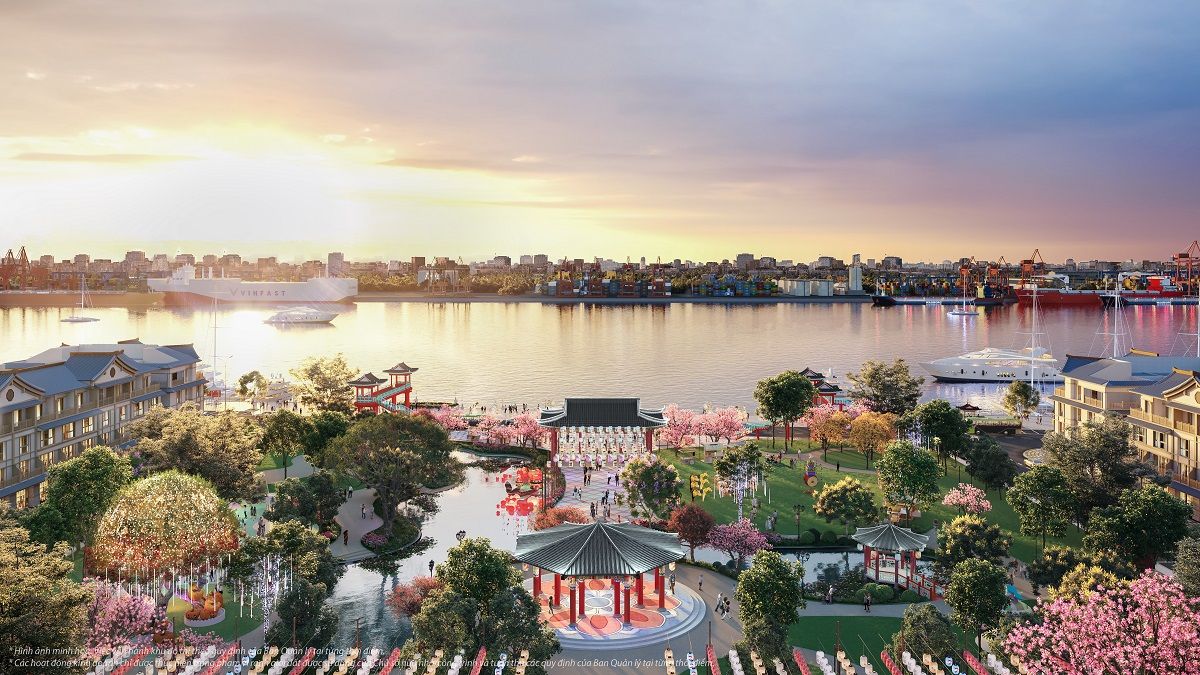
(1055, 562)
(1083, 580)
(1043, 501)
(784, 399)
(887, 388)
(990, 464)
(970, 537)
(1187, 565)
(477, 570)
(938, 426)
(1021, 399)
(327, 495)
(82, 488)
(653, 488)
(693, 524)
(221, 448)
(304, 610)
(1098, 460)
(293, 501)
(924, 630)
(977, 594)
(45, 524)
(395, 454)
(307, 552)
(740, 464)
(997, 636)
(514, 623)
(909, 476)
(252, 383)
(1141, 527)
(326, 425)
(322, 382)
(767, 595)
(42, 609)
(284, 434)
(446, 621)
(848, 501)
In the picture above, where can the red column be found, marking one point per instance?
(557, 590)
(616, 597)
(553, 443)
(627, 612)
(649, 440)
(582, 598)
(662, 591)
(866, 557)
(641, 590)
(572, 608)
(537, 583)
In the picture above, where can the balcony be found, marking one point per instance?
(1184, 427)
(37, 470)
(1061, 392)
(1150, 417)
(8, 429)
(1184, 480)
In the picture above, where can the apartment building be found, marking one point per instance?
(64, 400)
(1160, 398)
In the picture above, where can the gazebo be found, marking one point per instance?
(902, 542)
(601, 428)
(621, 552)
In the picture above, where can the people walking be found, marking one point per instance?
(346, 537)
(364, 511)
(699, 582)
(867, 603)
(430, 568)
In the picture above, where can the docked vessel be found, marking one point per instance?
(997, 365)
(300, 316)
(184, 287)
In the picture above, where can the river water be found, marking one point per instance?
(530, 353)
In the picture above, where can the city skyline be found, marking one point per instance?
(592, 130)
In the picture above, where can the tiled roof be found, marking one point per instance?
(367, 380)
(87, 367)
(66, 368)
(889, 537)
(602, 412)
(598, 549)
(401, 368)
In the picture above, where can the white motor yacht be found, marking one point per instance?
(300, 315)
(997, 365)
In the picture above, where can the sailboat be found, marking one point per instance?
(82, 316)
(962, 310)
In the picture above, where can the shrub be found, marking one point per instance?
(846, 541)
(807, 538)
(848, 583)
(883, 593)
(815, 533)
(910, 595)
(829, 537)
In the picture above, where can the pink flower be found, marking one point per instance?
(967, 499)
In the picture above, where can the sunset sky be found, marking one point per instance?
(694, 129)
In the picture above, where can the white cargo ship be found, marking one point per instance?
(183, 287)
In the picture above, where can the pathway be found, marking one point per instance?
(595, 490)
(351, 520)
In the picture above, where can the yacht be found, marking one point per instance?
(997, 365)
(82, 316)
(300, 315)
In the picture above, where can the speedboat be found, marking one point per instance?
(300, 315)
(997, 365)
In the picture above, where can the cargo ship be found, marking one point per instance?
(183, 287)
(1160, 290)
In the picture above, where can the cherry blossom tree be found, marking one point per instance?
(737, 540)
(450, 419)
(967, 499)
(405, 598)
(503, 434)
(681, 427)
(487, 426)
(1149, 627)
(117, 618)
(827, 424)
(721, 423)
(527, 431)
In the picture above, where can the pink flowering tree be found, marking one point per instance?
(1149, 627)
(450, 419)
(487, 427)
(503, 434)
(527, 431)
(680, 429)
(653, 488)
(721, 423)
(737, 540)
(116, 618)
(967, 499)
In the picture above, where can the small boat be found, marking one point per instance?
(82, 316)
(300, 315)
(962, 311)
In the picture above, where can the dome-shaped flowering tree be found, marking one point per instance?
(168, 521)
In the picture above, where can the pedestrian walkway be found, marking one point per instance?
(300, 468)
(351, 520)
(594, 491)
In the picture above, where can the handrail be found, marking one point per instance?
(1138, 414)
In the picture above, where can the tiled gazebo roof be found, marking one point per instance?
(598, 549)
(602, 412)
(889, 537)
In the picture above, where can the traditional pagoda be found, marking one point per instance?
(901, 548)
(596, 427)
(621, 552)
(383, 395)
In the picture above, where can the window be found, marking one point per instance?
(42, 490)
(87, 443)
(1159, 440)
(68, 431)
(1184, 446)
(46, 460)
(139, 408)
(121, 413)
(79, 400)
(24, 444)
(23, 468)
(22, 502)
(3, 450)
(47, 438)
(1139, 434)
(37, 414)
(89, 425)
(104, 419)
(58, 405)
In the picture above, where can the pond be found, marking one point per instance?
(472, 507)
(822, 567)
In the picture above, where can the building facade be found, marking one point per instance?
(64, 400)
(1160, 398)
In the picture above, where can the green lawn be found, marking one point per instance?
(235, 616)
(272, 462)
(850, 459)
(787, 488)
(860, 635)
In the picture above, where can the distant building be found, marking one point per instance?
(336, 265)
(185, 259)
(892, 262)
(856, 259)
(744, 261)
(502, 261)
(134, 257)
(825, 261)
(210, 260)
(541, 260)
(526, 259)
(231, 260)
(82, 259)
(46, 261)
(65, 400)
(160, 263)
(870, 263)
